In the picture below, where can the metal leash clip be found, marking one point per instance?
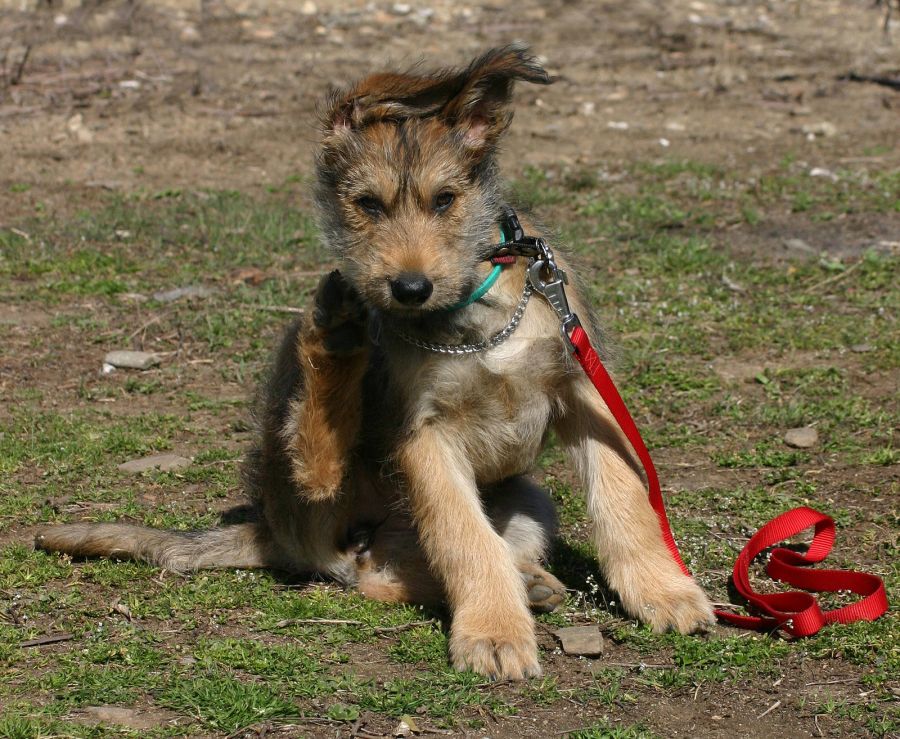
(550, 281)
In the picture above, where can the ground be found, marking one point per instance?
(732, 197)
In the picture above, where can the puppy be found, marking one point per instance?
(400, 421)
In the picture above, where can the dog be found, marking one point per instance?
(401, 419)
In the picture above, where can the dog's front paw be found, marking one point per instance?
(676, 604)
(501, 648)
(339, 315)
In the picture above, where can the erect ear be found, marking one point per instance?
(480, 110)
(473, 100)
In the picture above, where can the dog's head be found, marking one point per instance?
(407, 180)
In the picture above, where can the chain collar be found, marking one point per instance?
(479, 346)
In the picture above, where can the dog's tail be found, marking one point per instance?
(245, 545)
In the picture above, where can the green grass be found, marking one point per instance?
(227, 650)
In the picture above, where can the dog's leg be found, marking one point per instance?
(492, 631)
(324, 422)
(394, 567)
(629, 543)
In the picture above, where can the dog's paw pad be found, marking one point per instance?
(340, 315)
(545, 592)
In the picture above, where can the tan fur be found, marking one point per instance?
(400, 471)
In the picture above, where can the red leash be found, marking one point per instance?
(796, 612)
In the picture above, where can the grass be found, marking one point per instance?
(226, 650)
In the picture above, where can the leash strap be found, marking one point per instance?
(796, 612)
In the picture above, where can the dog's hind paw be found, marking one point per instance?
(545, 592)
(340, 315)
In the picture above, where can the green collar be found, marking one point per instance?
(488, 283)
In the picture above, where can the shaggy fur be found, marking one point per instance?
(402, 472)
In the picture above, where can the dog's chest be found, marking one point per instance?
(498, 405)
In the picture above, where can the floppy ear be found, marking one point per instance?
(473, 100)
(480, 110)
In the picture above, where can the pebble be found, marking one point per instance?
(131, 360)
(308, 8)
(802, 438)
(581, 641)
(617, 125)
(861, 348)
(799, 245)
(824, 128)
(822, 172)
(161, 462)
(191, 291)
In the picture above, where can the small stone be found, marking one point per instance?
(824, 128)
(190, 34)
(581, 641)
(588, 108)
(161, 462)
(76, 128)
(617, 125)
(822, 172)
(308, 8)
(675, 126)
(862, 348)
(802, 438)
(401, 9)
(799, 245)
(664, 143)
(131, 360)
(191, 291)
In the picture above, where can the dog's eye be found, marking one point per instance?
(443, 201)
(372, 206)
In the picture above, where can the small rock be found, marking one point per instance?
(130, 84)
(862, 348)
(802, 438)
(824, 128)
(131, 360)
(308, 8)
(588, 108)
(401, 9)
(799, 245)
(161, 462)
(76, 128)
(190, 34)
(191, 291)
(617, 125)
(822, 172)
(664, 143)
(581, 641)
(675, 126)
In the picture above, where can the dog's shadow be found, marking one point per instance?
(574, 565)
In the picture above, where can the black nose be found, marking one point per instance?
(411, 288)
